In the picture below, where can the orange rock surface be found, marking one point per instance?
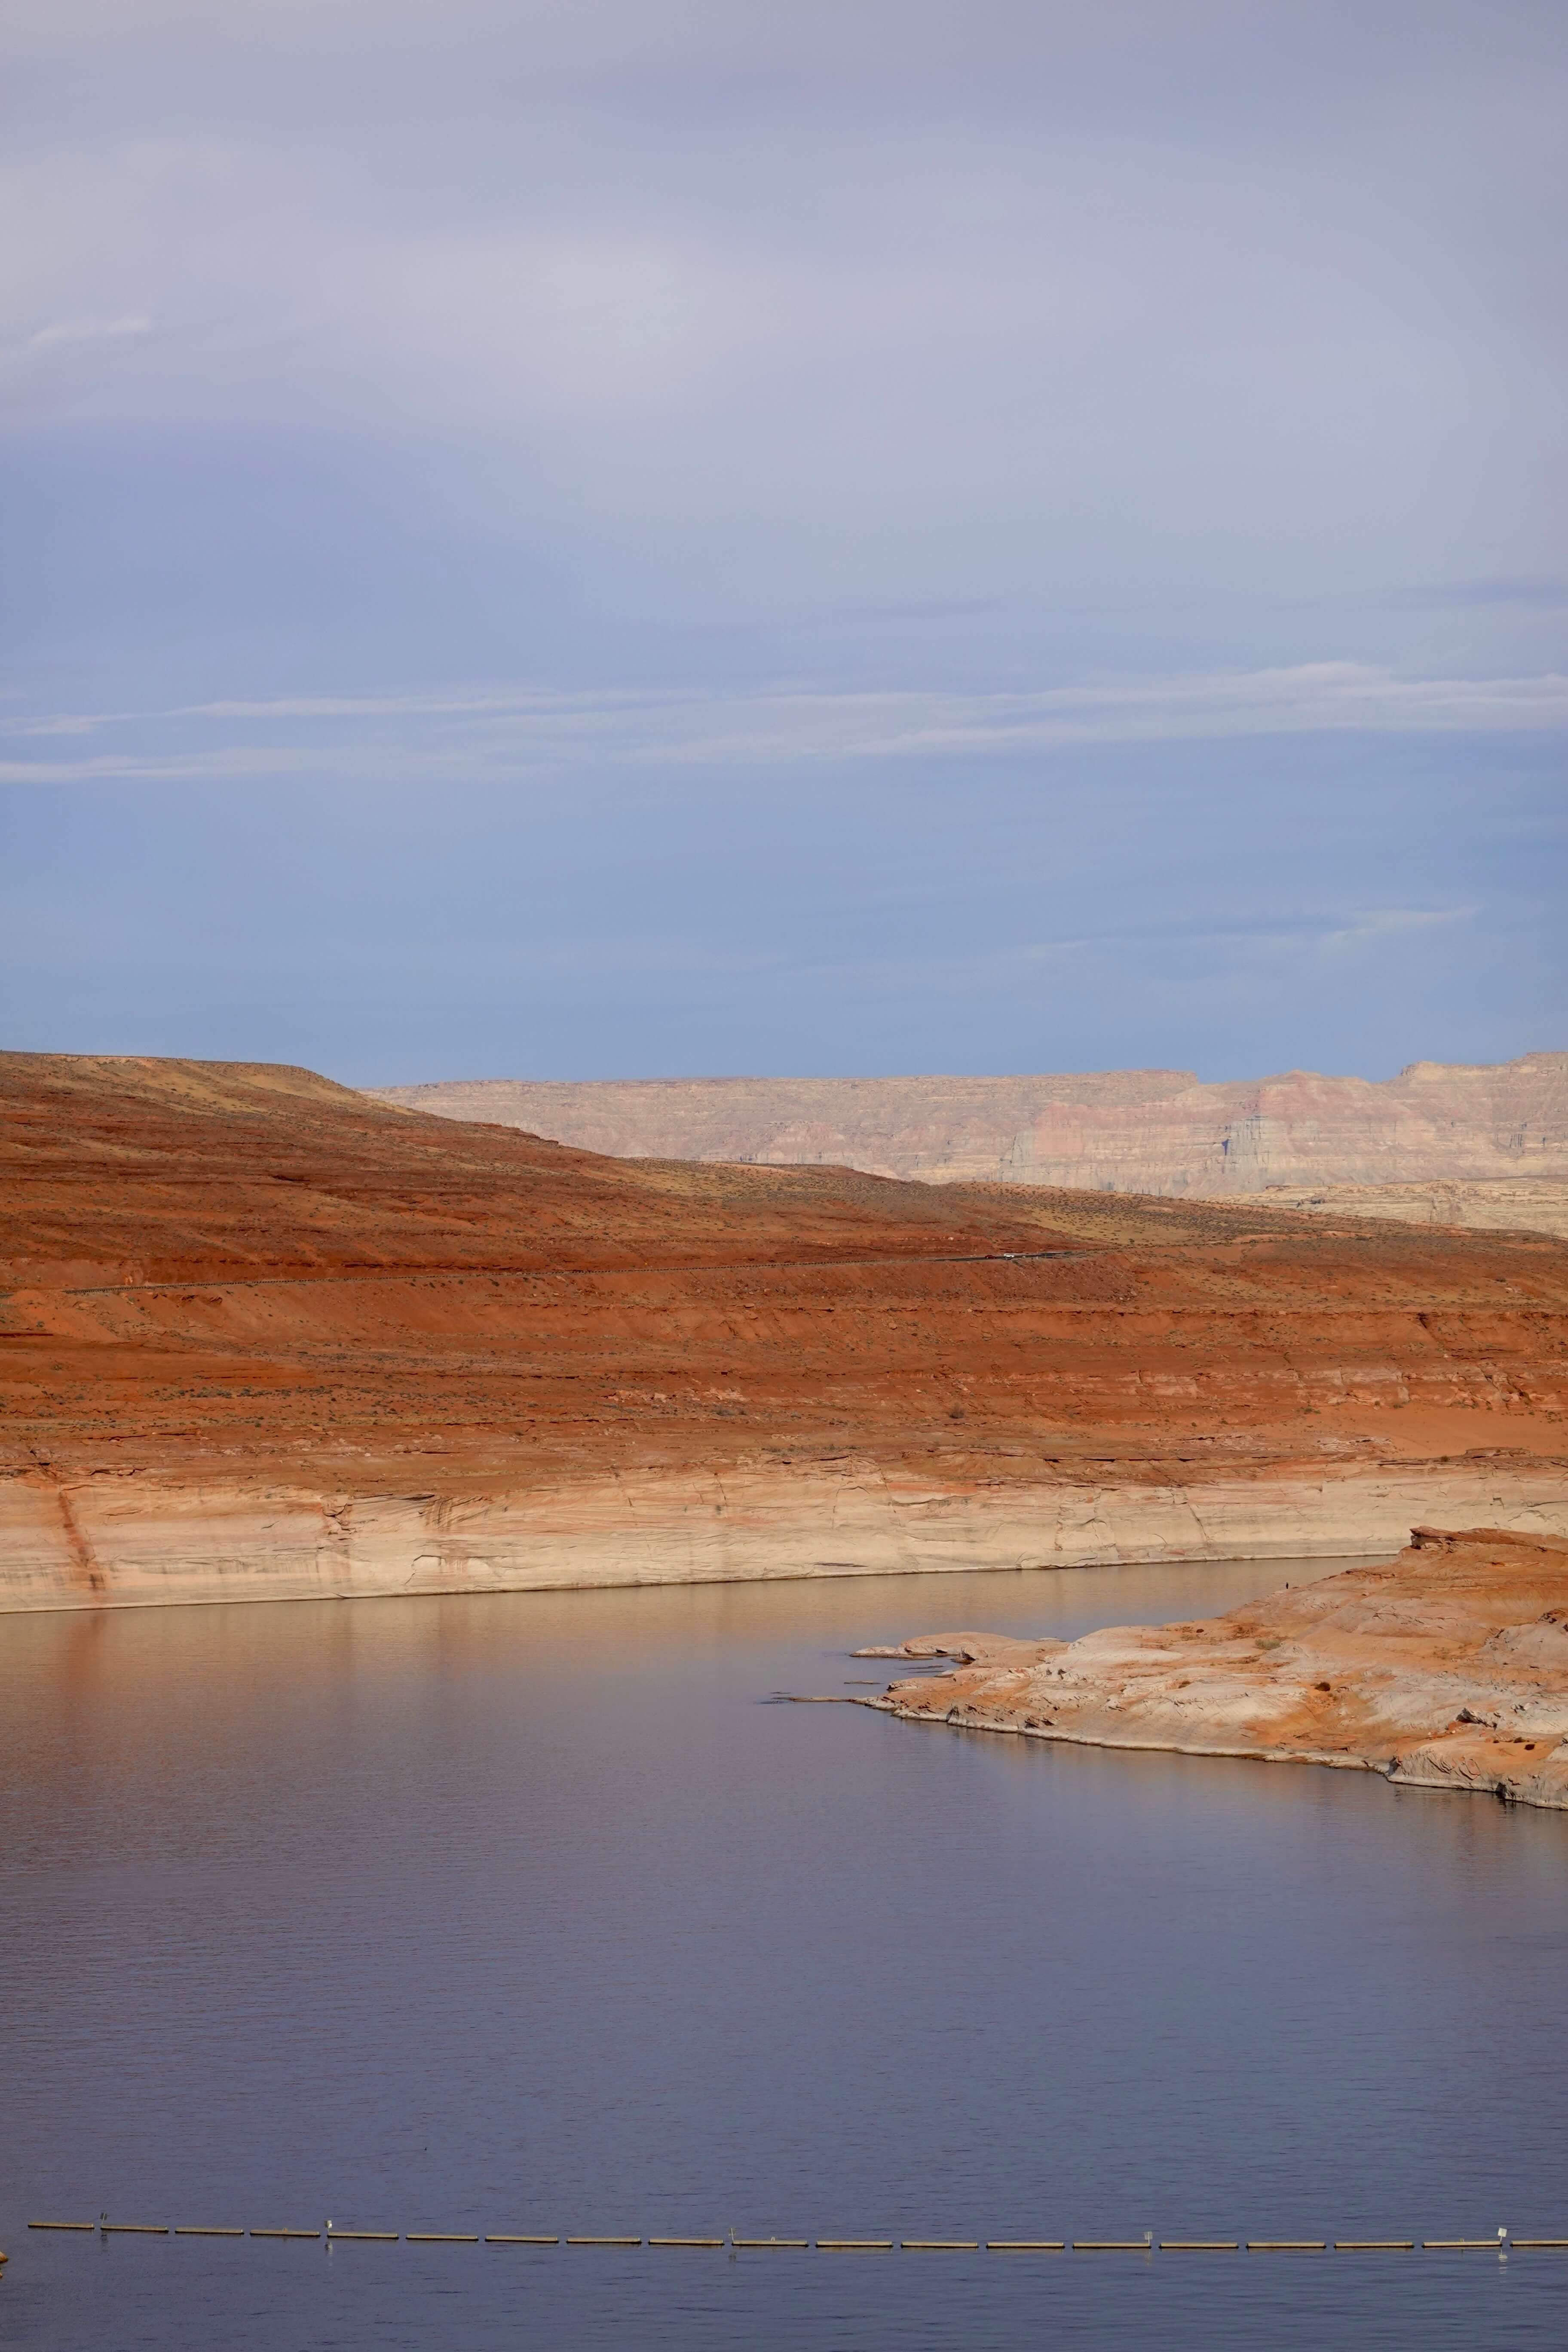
(389, 1351)
(1446, 1669)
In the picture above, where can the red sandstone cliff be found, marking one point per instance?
(260, 1334)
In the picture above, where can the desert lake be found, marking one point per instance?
(528, 1912)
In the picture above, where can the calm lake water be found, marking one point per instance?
(529, 1913)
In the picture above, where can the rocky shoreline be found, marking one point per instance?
(1446, 1668)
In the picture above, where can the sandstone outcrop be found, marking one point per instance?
(1152, 1131)
(261, 1337)
(1517, 1204)
(1445, 1669)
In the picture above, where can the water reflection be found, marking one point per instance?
(516, 1911)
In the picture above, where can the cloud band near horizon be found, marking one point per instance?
(527, 727)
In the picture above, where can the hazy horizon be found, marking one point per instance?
(975, 1078)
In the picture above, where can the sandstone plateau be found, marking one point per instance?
(1445, 1669)
(1534, 1204)
(1503, 1128)
(262, 1336)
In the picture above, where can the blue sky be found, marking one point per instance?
(643, 540)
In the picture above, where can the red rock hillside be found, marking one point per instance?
(261, 1335)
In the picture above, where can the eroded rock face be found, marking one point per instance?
(1518, 1204)
(1446, 1669)
(1153, 1131)
(261, 1336)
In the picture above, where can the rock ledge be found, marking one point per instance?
(1445, 1669)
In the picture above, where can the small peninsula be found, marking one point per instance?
(1446, 1669)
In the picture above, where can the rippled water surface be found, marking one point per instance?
(528, 1912)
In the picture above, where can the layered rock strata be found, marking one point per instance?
(131, 1540)
(1151, 1131)
(1516, 1204)
(262, 1338)
(1445, 1669)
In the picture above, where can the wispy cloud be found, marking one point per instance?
(520, 728)
(87, 330)
(1376, 924)
(226, 763)
(1538, 595)
(1329, 932)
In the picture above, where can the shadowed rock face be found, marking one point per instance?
(1152, 1131)
(1447, 1669)
(259, 1334)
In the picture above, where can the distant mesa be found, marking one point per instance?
(1443, 1143)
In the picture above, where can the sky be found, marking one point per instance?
(674, 537)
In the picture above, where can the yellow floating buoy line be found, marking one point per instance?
(1503, 2243)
